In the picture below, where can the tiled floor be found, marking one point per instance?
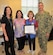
(49, 50)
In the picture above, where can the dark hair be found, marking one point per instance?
(30, 12)
(5, 11)
(17, 12)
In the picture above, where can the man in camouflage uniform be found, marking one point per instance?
(44, 28)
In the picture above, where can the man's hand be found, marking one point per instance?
(47, 35)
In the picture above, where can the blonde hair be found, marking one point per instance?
(30, 12)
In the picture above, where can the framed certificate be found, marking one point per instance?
(29, 29)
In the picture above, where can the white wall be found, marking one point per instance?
(48, 6)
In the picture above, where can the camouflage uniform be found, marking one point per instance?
(44, 26)
(52, 21)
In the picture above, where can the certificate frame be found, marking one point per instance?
(29, 29)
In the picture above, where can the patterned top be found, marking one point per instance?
(44, 22)
(19, 24)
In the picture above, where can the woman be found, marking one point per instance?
(31, 37)
(8, 33)
(19, 23)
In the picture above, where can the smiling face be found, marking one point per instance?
(40, 6)
(19, 15)
(8, 11)
(30, 14)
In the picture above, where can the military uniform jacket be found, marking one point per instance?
(44, 22)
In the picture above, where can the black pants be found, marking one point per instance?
(31, 43)
(51, 35)
(21, 42)
(9, 44)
